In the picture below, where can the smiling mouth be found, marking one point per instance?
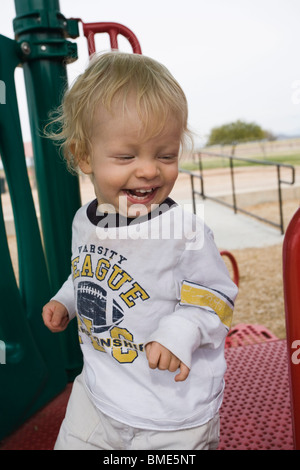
(140, 194)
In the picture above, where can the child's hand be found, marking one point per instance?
(160, 357)
(55, 316)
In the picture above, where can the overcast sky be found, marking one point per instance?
(235, 59)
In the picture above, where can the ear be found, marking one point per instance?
(85, 165)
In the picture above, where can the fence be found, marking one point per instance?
(234, 205)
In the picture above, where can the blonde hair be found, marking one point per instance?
(115, 75)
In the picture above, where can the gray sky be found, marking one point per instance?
(235, 59)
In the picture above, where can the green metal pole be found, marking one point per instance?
(41, 31)
(34, 371)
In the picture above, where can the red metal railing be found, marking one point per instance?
(113, 30)
(236, 274)
(291, 283)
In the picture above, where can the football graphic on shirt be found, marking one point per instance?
(94, 303)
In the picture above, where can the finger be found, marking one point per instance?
(165, 358)
(183, 374)
(153, 355)
(174, 364)
(47, 316)
(164, 362)
(64, 322)
(58, 317)
(147, 349)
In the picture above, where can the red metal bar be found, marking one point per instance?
(113, 29)
(236, 274)
(291, 284)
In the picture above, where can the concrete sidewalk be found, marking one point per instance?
(235, 231)
(254, 185)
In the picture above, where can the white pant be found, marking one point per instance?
(86, 428)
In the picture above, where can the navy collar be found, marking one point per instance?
(107, 220)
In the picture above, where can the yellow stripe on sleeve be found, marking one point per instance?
(202, 297)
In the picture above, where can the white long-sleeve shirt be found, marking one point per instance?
(160, 280)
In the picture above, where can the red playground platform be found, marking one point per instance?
(256, 411)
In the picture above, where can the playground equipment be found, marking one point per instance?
(38, 364)
(234, 265)
(291, 279)
(113, 29)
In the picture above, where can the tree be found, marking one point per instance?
(236, 132)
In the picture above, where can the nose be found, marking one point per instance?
(148, 169)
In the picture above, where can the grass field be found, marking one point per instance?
(281, 151)
(212, 162)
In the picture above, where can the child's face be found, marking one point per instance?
(129, 172)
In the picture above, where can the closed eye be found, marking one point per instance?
(168, 158)
(124, 158)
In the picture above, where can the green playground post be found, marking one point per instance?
(40, 32)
